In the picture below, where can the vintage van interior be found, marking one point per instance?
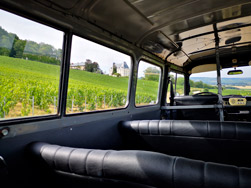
(125, 93)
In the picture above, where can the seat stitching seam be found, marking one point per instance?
(85, 162)
(207, 128)
(204, 172)
(42, 150)
(68, 160)
(148, 129)
(138, 127)
(105, 155)
(54, 156)
(148, 123)
(158, 127)
(171, 124)
(173, 169)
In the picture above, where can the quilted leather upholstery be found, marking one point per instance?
(147, 168)
(211, 129)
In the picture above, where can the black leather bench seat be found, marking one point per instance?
(193, 128)
(142, 167)
(212, 141)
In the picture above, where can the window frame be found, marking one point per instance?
(149, 61)
(129, 79)
(58, 115)
(167, 88)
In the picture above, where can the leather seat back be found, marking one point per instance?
(224, 142)
(141, 168)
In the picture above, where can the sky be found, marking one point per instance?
(29, 30)
(246, 73)
(83, 49)
(143, 65)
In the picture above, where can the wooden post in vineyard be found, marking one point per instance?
(85, 103)
(104, 101)
(32, 105)
(95, 102)
(4, 103)
(54, 104)
(72, 103)
(111, 100)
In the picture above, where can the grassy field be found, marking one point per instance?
(243, 92)
(31, 88)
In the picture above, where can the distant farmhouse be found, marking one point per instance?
(78, 66)
(121, 69)
(88, 65)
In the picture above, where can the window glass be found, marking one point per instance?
(178, 85)
(236, 84)
(99, 77)
(30, 58)
(203, 82)
(147, 84)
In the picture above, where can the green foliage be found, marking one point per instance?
(117, 74)
(180, 81)
(12, 46)
(92, 67)
(206, 90)
(200, 84)
(152, 73)
(18, 48)
(114, 69)
(4, 51)
(42, 58)
(20, 80)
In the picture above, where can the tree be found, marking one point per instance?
(13, 51)
(191, 83)
(19, 48)
(180, 81)
(152, 73)
(206, 90)
(117, 74)
(11, 45)
(92, 67)
(198, 84)
(114, 69)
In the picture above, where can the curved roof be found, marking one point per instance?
(180, 32)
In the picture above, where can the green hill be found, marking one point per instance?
(21, 80)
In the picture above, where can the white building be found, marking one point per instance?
(122, 69)
(78, 66)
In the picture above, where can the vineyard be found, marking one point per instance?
(31, 88)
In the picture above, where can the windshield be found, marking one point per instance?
(239, 84)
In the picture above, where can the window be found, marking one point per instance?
(99, 77)
(239, 84)
(178, 85)
(236, 84)
(147, 84)
(30, 58)
(203, 82)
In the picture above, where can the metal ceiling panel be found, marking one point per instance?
(235, 36)
(234, 23)
(178, 58)
(199, 43)
(64, 4)
(119, 18)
